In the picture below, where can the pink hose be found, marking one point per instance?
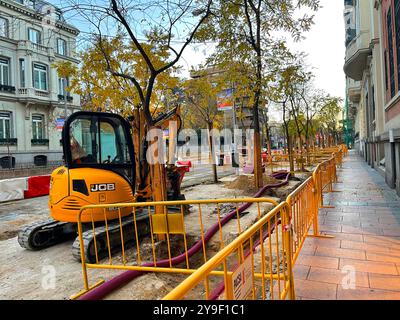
(116, 282)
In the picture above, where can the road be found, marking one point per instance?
(203, 173)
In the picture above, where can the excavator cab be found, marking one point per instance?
(99, 166)
(99, 140)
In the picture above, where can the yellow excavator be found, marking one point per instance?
(105, 163)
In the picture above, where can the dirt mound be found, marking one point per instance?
(246, 183)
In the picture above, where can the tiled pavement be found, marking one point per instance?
(362, 261)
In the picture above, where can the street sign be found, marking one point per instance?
(242, 280)
(60, 123)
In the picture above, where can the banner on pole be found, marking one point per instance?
(225, 100)
(60, 123)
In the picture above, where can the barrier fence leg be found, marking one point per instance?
(321, 194)
(316, 229)
(334, 178)
(316, 218)
(289, 245)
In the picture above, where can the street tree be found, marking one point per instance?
(201, 95)
(285, 93)
(327, 118)
(317, 104)
(243, 31)
(102, 91)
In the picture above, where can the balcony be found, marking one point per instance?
(39, 142)
(354, 91)
(33, 93)
(8, 142)
(61, 97)
(357, 53)
(31, 46)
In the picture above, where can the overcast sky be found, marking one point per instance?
(325, 45)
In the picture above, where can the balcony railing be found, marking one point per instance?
(7, 88)
(23, 91)
(29, 45)
(62, 97)
(32, 92)
(361, 41)
(38, 47)
(8, 142)
(39, 142)
(41, 93)
(357, 53)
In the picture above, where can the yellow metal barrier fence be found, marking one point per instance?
(302, 206)
(266, 250)
(264, 270)
(178, 234)
(324, 176)
(303, 213)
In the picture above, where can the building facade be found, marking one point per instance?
(33, 98)
(372, 68)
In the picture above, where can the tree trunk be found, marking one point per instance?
(289, 147)
(269, 157)
(212, 152)
(258, 174)
(307, 141)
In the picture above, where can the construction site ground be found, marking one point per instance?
(52, 273)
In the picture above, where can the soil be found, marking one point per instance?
(245, 183)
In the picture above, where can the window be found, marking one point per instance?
(108, 142)
(373, 103)
(5, 125)
(397, 28)
(386, 72)
(34, 36)
(31, 4)
(62, 84)
(61, 47)
(39, 76)
(37, 127)
(391, 52)
(4, 71)
(22, 73)
(94, 140)
(58, 15)
(3, 27)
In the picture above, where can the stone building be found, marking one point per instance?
(372, 68)
(33, 101)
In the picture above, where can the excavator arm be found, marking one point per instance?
(152, 179)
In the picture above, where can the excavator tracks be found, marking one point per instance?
(44, 234)
(113, 236)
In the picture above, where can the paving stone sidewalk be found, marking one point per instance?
(362, 261)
